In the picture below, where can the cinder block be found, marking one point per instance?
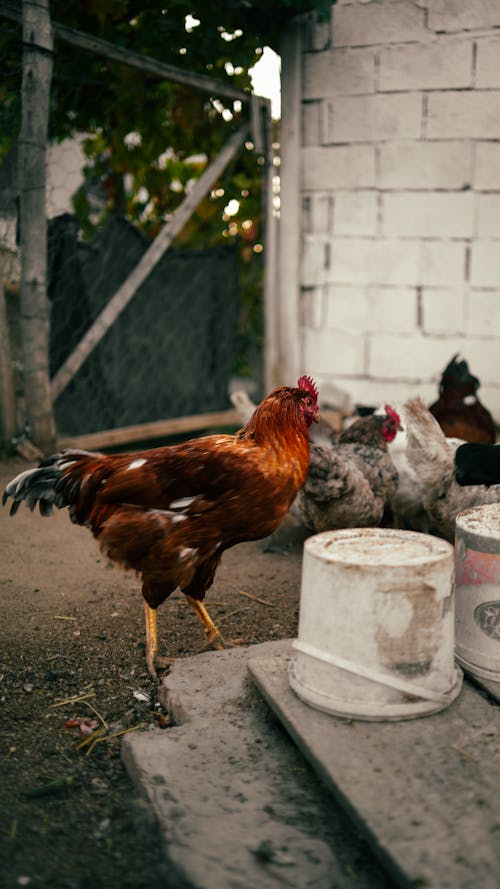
(315, 267)
(372, 118)
(382, 391)
(368, 261)
(482, 313)
(355, 213)
(333, 352)
(442, 263)
(371, 308)
(487, 63)
(339, 72)
(443, 310)
(410, 357)
(441, 65)
(364, 25)
(346, 308)
(428, 214)
(317, 212)
(426, 165)
(460, 15)
(487, 165)
(488, 216)
(485, 264)
(313, 307)
(346, 166)
(311, 123)
(464, 115)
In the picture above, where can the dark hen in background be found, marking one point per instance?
(458, 409)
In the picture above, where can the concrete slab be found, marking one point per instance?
(425, 792)
(238, 805)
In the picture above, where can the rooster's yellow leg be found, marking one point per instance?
(152, 657)
(213, 636)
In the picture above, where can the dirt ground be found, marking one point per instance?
(72, 648)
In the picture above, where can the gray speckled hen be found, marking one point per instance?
(350, 483)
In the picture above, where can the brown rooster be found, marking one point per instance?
(351, 483)
(458, 409)
(169, 513)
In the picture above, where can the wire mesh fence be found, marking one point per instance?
(116, 173)
(171, 351)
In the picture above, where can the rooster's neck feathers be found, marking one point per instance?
(279, 416)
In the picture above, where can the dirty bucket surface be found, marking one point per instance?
(477, 573)
(376, 625)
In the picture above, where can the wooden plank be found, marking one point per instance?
(156, 429)
(8, 411)
(153, 254)
(162, 70)
(425, 792)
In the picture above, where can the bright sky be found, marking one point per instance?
(266, 79)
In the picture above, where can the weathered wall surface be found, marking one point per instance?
(400, 191)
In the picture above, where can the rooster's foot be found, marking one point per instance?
(158, 662)
(215, 641)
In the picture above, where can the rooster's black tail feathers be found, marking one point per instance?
(36, 486)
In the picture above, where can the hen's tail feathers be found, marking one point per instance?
(42, 485)
(427, 449)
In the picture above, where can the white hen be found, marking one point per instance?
(431, 456)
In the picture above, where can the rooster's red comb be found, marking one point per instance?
(309, 385)
(392, 413)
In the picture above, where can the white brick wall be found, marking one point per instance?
(351, 166)
(463, 115)
(487, 166)
(462, 15)
(400, 175)
(487, 67)
(374, 118)
(377, 23)
(428, 165)
(426, 66)
(432, 214)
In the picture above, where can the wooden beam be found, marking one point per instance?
(153, 254)
(37, 73)
(157, 429)
(290, 357)
(8, 413)
(115, 53)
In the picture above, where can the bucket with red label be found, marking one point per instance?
(477, 587)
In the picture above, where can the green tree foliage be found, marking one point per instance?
(147, 139)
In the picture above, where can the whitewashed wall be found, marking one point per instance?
(398, 168)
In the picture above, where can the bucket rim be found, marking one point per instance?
(430, 550)
(381, 712)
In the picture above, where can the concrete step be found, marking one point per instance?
(238, 805)
(424, 792)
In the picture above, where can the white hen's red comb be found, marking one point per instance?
(309, 385)
(392, 413)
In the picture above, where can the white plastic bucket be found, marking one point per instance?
(376, 625)
(477, 579)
